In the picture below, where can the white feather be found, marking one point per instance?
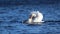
(39, 17)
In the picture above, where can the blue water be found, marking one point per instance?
(10, 17)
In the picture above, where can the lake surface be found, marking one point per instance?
(10, 17)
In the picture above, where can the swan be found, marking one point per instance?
(35, 17)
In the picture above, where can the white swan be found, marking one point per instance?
(35, 18)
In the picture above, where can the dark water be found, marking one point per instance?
(11, 15)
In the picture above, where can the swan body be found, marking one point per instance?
(35, 18)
